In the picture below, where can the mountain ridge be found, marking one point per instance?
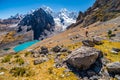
(102, 10)
(41, 23)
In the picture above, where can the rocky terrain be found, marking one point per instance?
(102, 10)
(69, 55)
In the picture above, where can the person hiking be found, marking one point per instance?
(86, 32)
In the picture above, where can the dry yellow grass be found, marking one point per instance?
(44, 71)
(107, 47)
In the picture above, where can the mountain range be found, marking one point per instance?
(62, 45)
(62, 18)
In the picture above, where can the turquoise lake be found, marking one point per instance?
(25, 45)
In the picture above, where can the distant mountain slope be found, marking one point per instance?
(39, 21)
(102, 10)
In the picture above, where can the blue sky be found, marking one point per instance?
(12, 7)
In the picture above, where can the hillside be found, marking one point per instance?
(70, 39)
(102, 10)
(72, 54)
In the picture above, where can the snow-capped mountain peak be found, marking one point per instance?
(47, 9)
(64, 10)
(62, 18)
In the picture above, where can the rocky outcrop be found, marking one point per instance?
(39, 61)
(44, 50)
(59, 49)
(97, 40)
(115, 50)
(102, 10)
(114, 68)
(56, 49)
(40, 22)
(88, 43)
(83, 57)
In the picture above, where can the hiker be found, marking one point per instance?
(86, 32)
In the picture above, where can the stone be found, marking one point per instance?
(64, 50)
(113, 68)
(56, 49)
(88, 43)
(2, 73)
(97, 41)
(58, 65)
(94, 78)
(39, 61)
(105, 61)
(117, 77)
(69, 52)
(36, 55)
(90, 73)
(115, 50)
(44, 50)
(58, 54)
(85, 78)
(83, 57)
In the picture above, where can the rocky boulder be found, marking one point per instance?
(56, 49)
(114, 68)
(88, 43)
(83, 57)
(44, 50)
(117, 77)
(35, 54)
(115, 50)
(97, 40)
(39, 61)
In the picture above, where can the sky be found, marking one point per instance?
(12, 7)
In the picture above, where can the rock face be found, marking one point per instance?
(102, 10)
(114, 67)
(83, 57)
(40, 22)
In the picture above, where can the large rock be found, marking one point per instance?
(83, 57)
(39, 61)
(114, 67)
(57, 49)
(44, 50)
(97, 41)
(88, 43)
(115, 50)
